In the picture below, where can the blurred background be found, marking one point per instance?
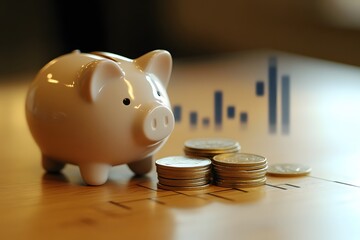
(36, 31)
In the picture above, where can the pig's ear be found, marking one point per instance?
(96, 75)
(158, 62)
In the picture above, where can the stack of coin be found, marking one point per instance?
(238, 170)
(183, 173)
(209, 147)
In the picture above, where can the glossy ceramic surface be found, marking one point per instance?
(99, 110)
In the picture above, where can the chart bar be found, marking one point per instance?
(224, 111)
(205, 121)
(272, 75)
(285, 103)
(260, 88)
(193, 118)
(177, 113)
(231, 112)
(218, 107)
(243, 117)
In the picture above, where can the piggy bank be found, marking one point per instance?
(99, 110)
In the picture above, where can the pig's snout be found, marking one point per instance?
(158, 123)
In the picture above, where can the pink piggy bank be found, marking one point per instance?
(99, 110)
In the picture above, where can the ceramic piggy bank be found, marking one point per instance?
(99, 110)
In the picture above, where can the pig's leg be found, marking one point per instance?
(52, 165)
(95, 173)
(141, 167)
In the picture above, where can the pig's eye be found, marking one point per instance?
(126, 101)
(158, 93)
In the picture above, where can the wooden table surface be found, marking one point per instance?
(324, 134)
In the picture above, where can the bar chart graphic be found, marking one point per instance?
(273, 89)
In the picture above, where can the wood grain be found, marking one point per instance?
(36, 205)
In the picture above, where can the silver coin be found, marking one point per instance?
(189, 170)
(185, 171)
(182, 162)
(211, 144)
(288, 170)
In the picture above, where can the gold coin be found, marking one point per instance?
(222, 167)
(183, 182)
(240, 181)
(232, 185)
(239, 176)
(239, 159)
(209, 154)
(288, 170)
(212, 151)
(188, 176)
(240, 184)
(239, 171)
(172, 188)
